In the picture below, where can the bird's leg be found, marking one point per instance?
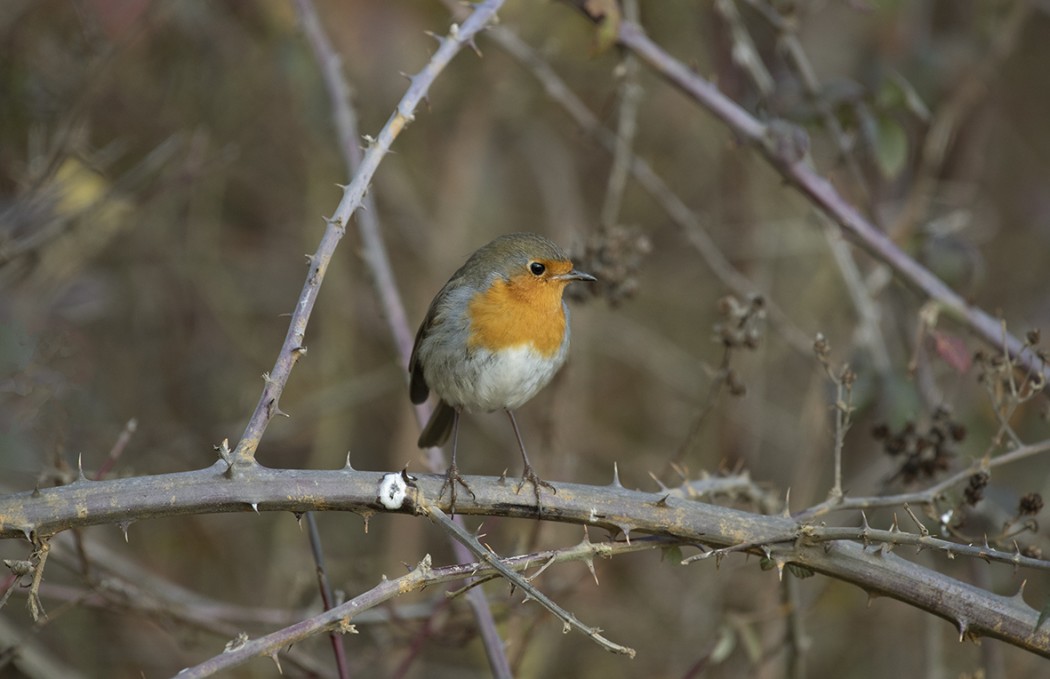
(452, 476)
(529, 474)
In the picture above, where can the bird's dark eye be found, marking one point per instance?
(537, 268)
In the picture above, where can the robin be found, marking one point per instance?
(492, 338)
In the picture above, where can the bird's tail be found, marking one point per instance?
(439, 428)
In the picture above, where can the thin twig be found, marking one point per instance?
(626, 127)
(506, 571)
(327, 595)
(423, 575)
(886, 539)
(118, 449)
(926, 496)
(843, 380)
(870, 330)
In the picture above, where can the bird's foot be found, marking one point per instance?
(452, 477)
(530, 476)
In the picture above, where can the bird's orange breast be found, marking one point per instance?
(521, 311)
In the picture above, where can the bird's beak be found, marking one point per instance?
(575, 275)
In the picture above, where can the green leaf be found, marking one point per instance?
(891, 149)
(800, 572)
(673, 554)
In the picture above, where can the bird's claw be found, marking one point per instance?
(452, 477)
(530, 476)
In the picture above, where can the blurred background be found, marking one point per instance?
(164, 167)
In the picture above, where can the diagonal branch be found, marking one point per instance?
(497, 564)
(779, 144)
(353, 195)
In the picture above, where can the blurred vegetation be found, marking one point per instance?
(165, 166)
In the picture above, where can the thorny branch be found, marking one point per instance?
(340, 619)
(669, 513)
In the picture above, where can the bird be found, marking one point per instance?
(494, 336)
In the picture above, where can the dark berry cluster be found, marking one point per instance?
(923, 453)
(1031, 504)
(975, 488)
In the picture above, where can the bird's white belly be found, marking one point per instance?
(495, 380)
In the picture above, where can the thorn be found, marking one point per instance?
(276, 661)
(123, 526)
(616, 476)
(406, 477)
(36, 491)
(787, 504)
(299, 518)
(255, 507)
(28, 533)
(473, 45)
(780, 568)
(662, 502)
(80, 468)
(964, 627)
(440, 39)
(872, 596)
(589, 562)
(344, 187)
(224, 451)
(348, 467)
(502, 480)
(1020, 591)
